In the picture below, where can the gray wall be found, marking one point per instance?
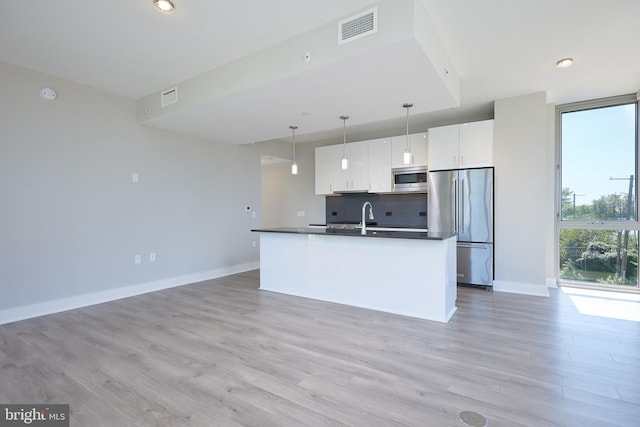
(523, 206)
(72, 220)
(285, 195)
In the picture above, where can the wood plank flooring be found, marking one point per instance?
(223, 353)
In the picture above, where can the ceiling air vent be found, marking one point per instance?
(358, 26)
(169, 96)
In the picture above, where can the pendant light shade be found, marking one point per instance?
(406, 156)
(294, 166)
(345, 162)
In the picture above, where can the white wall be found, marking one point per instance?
(72, 220)
(522, 207)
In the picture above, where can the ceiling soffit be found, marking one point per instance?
(314, 80)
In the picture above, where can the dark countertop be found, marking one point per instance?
(356, 233)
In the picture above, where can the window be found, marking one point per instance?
(597, 227)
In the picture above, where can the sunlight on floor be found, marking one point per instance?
(615, 305)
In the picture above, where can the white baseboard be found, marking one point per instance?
(540, 290)
(69, 303)
(552, 282)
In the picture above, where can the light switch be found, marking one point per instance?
(135, 177)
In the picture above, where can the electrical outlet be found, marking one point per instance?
(300, 213)
(135, 177)
(152, 257)
(254, 244)
(137, 259)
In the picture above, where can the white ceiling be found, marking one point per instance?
(500, 48)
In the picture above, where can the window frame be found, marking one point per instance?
(612, 225)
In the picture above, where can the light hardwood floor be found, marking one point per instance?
(223, 353)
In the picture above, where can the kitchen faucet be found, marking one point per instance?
(364, 222)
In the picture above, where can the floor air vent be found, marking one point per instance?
(358, 26)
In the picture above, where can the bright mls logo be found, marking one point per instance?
(34, 415)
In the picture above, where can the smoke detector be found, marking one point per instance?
(48, 93)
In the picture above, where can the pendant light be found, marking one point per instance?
(294, 166)
(345, 161)
(406, 157)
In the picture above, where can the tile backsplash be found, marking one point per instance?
(389, 210)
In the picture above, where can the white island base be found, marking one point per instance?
(411, 277)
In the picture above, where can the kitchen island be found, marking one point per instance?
(401, 272)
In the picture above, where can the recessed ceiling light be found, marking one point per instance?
(164, 6)
(564, 62)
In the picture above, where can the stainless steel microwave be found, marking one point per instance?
(410, 179)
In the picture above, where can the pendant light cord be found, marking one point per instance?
(344, 135)
(407, 106)
(293, 128)
(294, 166)
(344, 162)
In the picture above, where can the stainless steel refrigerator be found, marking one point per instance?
(461, 201)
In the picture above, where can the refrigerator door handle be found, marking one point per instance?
(461, 205)
(473, 245)
(456, 212)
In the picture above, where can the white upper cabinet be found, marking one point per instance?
(468, 145)
(418, 145)
(380, 178)
(324, 169)
(443, 147)
(356, 176)
(476, 144)
(370, 164)
(330, 177)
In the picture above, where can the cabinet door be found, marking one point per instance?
(476, 144)
(324, 170)
(380, 178)
(419, 151)
(443, 147)
(398, 145)
(417, 145)
(341, 177)
(359, 166)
